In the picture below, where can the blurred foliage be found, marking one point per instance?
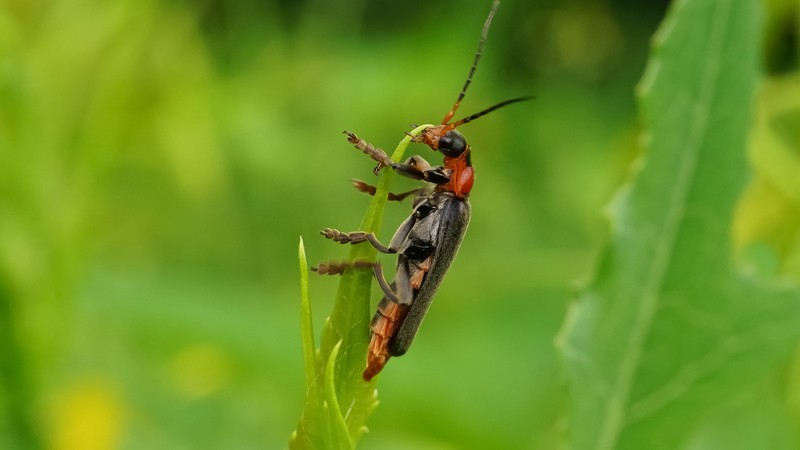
(672, 341)
(158, 160)
(769, 220)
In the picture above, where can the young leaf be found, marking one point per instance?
(306, 324)
(669, 329)
(340, 437)
(313, 421)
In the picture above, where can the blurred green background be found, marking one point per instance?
(159, 161)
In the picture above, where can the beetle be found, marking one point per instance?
(426, 243)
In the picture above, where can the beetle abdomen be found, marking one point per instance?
(384, 325)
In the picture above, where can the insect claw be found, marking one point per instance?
(370, 150)
(351, 137)
(332, 234)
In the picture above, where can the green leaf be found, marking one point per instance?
(345, 329)
(339, 435)
(313, 420)
(670, 332)
(306, 323)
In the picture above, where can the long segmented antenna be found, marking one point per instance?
(481, 45)
(488, 110)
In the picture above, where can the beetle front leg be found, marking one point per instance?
(417, 168)
(370, 150)
(356, 237)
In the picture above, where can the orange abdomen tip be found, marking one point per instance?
(384, 325)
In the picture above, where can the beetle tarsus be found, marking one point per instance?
(341, 237)
(330, 268)
(339, 267)
(355, 237)
(370, 150)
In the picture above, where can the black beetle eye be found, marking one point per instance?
(452, 144)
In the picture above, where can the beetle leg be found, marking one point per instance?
(339, 267)
(404, 295)
(370, 150)
(369, 189)
(356, 237)
(418, 162)
(390, 294)
(402, 283)
(417, 168)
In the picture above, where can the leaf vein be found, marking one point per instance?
(614, 418)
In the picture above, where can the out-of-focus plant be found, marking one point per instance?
(672, 337)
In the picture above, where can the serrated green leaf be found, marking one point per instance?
(670, 331)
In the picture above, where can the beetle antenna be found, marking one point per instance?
(481, 45)
(489, 109)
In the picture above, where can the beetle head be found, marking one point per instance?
(445, 139)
